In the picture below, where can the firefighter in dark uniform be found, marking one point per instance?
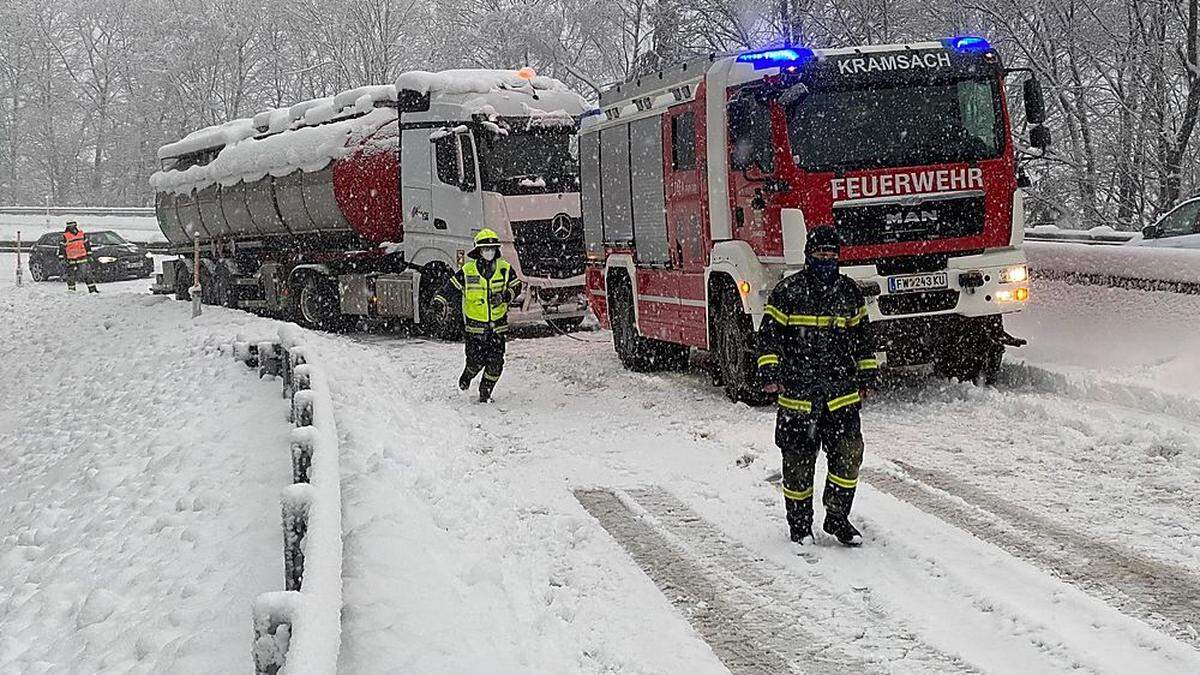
(486, 284)
(816, 355)
(75, 252)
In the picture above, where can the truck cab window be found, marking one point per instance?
(446, 154)
(467, 148)
(750, 134)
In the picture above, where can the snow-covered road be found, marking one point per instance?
(467, 549)
(596, 520)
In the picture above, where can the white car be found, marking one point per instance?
(1179, 228)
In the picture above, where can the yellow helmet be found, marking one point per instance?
(486, 237)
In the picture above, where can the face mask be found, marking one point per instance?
(823, 270)
(488, 253)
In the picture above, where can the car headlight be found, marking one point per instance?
(1014, 275)
(105, 259)
(148, 255)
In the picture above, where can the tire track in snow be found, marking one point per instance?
(751, 611)
(1165, 596)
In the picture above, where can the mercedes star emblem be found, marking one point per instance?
(562, 226)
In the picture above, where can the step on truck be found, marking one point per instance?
(700, 182)
(361, 205)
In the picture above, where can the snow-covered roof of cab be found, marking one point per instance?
(507, 93)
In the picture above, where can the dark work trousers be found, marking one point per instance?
(801, 435)
(485, 351)
(80, 270)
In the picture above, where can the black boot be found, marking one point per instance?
(486, 384)
(799, 518)
(464, 380)
(839, 526)
(92, 288)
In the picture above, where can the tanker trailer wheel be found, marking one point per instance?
(735, 352)
(319, 305)
(182, 282)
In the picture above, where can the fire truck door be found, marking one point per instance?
(689, 250)
(457, 201)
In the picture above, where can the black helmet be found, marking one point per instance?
(823, 238)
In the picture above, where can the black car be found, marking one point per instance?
(113, 258)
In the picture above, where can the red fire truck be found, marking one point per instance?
(700, 182)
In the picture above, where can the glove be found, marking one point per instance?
(498, 299)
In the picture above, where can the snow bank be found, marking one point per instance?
(308, 148)
(1101, 234)
(1122, 266)
(299, 630)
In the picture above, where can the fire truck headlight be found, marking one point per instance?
(1004, 296)
(1014, 275)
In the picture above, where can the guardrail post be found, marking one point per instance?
(269, 361)
(302, 408)
(302, 448)
(295, 501)
(273, 614)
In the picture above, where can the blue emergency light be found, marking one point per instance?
(971, 44)
(790, 57)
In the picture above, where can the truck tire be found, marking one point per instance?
(634, 351)
(438, 321)
(182, 282)
(970, 354)
(735, 353)
(318, 305)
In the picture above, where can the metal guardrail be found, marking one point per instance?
(56, 211)
(297, 630)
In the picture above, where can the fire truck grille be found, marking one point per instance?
(896, 222)
(550, 249)
(918, 303)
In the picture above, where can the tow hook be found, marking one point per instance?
(1011, 341)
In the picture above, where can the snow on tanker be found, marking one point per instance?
(700, 183)
(360, 205)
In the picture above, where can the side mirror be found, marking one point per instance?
(1152, 231)
(795, 236)
(1039, 137)
(1035, 103)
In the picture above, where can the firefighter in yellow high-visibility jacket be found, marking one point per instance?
(486, 285)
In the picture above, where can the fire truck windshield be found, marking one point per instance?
(529, 161)
(907, 125)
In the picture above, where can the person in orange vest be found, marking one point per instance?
(76, 252)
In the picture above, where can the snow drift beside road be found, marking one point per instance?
(140, 468)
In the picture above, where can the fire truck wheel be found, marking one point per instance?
(634, 350)
(735, 355)
(318, 305)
